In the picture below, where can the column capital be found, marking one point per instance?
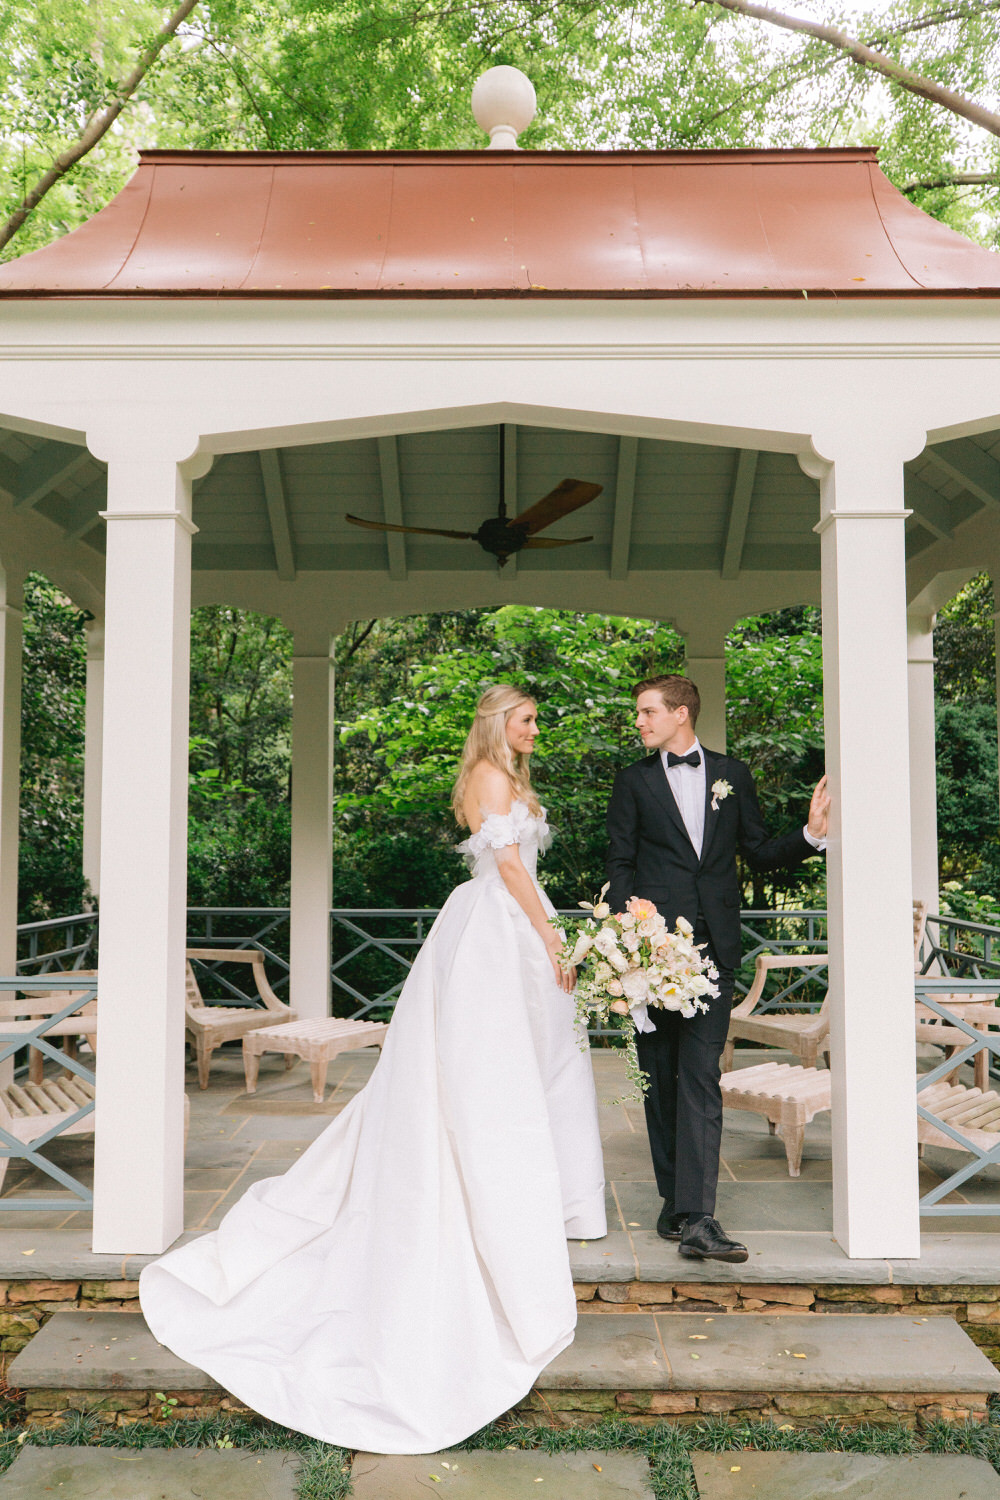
(156, 444)
(183, 521)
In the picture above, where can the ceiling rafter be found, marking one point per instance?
(963, 460)
(929, 507)
(279, 513)
(621, 535)
(740, 501)
(84, 511)
(47, 467)
(510, 483)
(392, 506)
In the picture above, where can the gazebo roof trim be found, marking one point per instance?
(546, 224)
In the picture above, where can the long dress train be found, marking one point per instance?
(406, 1281)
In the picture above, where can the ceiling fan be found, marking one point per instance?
(503, 536)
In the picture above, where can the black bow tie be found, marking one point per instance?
(693, 759)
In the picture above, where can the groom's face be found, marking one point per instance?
(657, 724)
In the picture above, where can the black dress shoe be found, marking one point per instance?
(670, 1226)
(705, 1239)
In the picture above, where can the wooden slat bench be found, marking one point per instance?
(317, 1042)
(974, 1113)
(786, 1095)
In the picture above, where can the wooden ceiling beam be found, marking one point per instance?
(929, 507)
(39, 475)
(392, 506)
(84, 512)
(279, 514)
(971, 466)
(510, 494)
(740, 502)
(621, 535)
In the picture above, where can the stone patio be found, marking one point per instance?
(818, 1476)
(236, 1139)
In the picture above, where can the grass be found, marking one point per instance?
(324, 1471)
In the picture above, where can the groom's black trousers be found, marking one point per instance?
(684, 1102)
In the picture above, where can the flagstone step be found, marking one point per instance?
(797, 1369)
(76, 1473)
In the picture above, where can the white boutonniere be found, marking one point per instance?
(720, 791)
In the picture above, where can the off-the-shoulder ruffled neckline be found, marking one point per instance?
(497, 836)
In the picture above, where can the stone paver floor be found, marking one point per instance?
(502, 1476)
(148, 1474)
(236, 1140)
(848, 1476)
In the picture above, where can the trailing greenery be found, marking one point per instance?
(324, 1471)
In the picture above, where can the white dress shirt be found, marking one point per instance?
(688, 786)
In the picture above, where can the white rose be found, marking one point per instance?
(604, 942)
(632, 941)
(584, 943)
(614, 987)
(602, 910)
(636, 985)
(647, 927)
(628, 921)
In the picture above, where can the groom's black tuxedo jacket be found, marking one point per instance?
(651, 855)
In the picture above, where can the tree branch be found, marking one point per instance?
(958, 179)
(96, 127)
(867, 57)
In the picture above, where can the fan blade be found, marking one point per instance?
(462, 536)
(554, 541)
(566, 497)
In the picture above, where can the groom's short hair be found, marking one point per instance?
(676, 692)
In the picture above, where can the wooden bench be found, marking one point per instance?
(209, 1026)
(318, 1042)
(973, 1112)
(786, 1095)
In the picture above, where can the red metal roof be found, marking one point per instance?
(507, 224)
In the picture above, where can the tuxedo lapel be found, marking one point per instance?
(713, 768)
(656, 778)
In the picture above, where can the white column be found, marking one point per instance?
(139, 1154)
(93, 749)
(11, 643)
(923, 759)
(708, 671)
(869, 875)
(312, 823)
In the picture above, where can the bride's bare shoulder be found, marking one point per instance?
(488, 790)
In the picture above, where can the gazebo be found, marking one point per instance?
(783, 374)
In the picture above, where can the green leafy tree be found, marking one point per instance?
(397, 760)
(53, 693)
(377, 74)
(774, 721)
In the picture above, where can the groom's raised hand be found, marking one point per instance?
(819, 811)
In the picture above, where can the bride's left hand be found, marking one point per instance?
(565, 978)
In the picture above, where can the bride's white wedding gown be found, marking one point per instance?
(407, 1280)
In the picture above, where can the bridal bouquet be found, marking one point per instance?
(628, 962)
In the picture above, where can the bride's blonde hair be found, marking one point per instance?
(487, 740)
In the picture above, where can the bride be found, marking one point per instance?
(407, 1280)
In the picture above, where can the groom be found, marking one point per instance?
(675, 822)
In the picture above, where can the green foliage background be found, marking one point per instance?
(405, 694)
(380, 74)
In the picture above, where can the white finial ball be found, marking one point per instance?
(503, 102)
